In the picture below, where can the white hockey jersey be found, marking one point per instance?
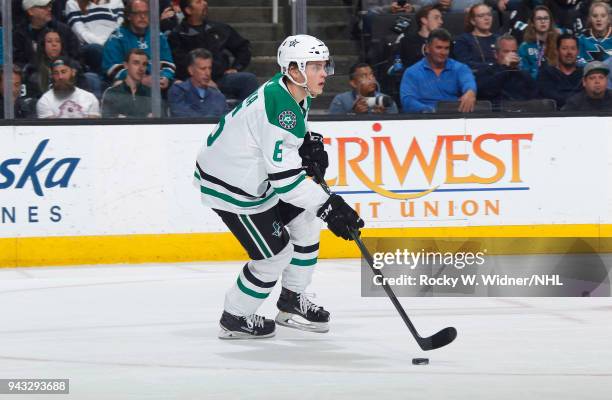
(251, 159)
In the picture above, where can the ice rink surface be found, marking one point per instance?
(149, 332)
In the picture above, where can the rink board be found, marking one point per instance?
(115, 194)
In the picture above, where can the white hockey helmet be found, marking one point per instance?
(301, 49)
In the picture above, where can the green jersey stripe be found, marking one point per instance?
(230, 199)
(291, 186)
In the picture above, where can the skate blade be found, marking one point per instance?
(225, 334)
(298, 322)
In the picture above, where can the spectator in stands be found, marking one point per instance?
(198, 96)
(568, 19)
(65, 100)
(37, 74)
(196, 31)
(130, 98)
(476, 47)
(365, 87)
(93, 21)
(27, 35)
(24, 107)
(565, 79)
(540, 39)
(504, 80)
(596, 42)
(170, 15)
(437, 78)
(595, 96)
(518, 19)
(412, 46)
(135, 34)
(19, 14)
(568, 15)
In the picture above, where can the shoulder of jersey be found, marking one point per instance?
(282, 110)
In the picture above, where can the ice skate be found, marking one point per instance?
(249, 327)
(297, 311)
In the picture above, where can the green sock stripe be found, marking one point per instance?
(250, 292)
(304, 263)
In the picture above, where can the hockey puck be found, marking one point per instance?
(420, 361)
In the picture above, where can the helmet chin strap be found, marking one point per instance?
(302, 85)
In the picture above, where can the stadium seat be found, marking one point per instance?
(382, 25)
(533, 106)
(453, 22)
(451, 107)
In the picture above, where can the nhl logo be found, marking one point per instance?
(287, 119)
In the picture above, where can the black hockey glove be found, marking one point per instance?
(341, 219)
(313, 155)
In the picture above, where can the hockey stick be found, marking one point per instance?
(439, 339)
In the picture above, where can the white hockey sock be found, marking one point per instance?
(255, 282)
(298, 274)
(305, 231)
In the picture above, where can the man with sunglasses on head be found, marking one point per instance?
(252, 171)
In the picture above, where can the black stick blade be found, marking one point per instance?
(440, 339)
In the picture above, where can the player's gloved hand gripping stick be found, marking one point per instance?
(313, 154)
(441, 338)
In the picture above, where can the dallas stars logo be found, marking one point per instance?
(277, 229)
(293, 43)
(287, 119)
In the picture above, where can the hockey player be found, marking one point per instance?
(252, 170)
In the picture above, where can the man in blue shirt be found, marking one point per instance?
(437, 78)
(198, 96)
(365, 88)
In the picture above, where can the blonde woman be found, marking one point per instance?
(595, 43)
